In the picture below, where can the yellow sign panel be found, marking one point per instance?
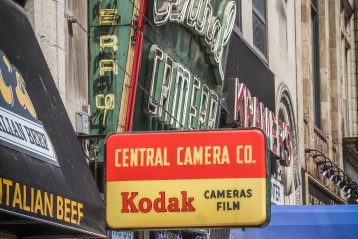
(202, 202)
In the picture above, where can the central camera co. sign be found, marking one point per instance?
(187, 179)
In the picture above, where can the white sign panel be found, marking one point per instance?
(277, 194)
(122, 235)
(26, 136)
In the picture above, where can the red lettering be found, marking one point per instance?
(280, 136)
(128, 202)
(257, 114)
(240, 104)
(288, 145)
(187, 206)
(173, 205)
(146, 201)
(249, 112)
(161, 201)
(145, 205)
(263, 112)
(273, 136)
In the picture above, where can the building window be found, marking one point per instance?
(238, 20)
(315, 64)
(259, 25)
(346, 88)
(281, 7)
(347, 57)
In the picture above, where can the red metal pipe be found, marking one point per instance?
(136, 66)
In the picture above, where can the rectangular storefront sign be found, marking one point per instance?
(277, 194)
(187, 179)
(122, 235)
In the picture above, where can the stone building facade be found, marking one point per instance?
(311, 48)
(61, 30)
(326, 93)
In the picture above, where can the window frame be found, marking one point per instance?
(263, 20)
(239, 15)
(315, 57)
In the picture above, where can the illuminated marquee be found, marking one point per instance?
(176, 90)
(199, 17)
(250, 112)
(114, 53)
(105, 103)
(19, 127)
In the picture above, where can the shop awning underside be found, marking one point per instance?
(335, 221)
(46, 186)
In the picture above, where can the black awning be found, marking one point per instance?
(46, 187)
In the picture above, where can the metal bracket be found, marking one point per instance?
(135, 24)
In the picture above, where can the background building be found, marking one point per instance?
(327, 100)
(262, 55)
(298, 58)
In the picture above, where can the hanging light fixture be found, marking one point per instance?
(340, 182)
(333, 177)
(351, 196)
(345, 188)
(326, 171)
(335, 174)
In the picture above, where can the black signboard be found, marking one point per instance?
(46, 187)
(251, 70)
